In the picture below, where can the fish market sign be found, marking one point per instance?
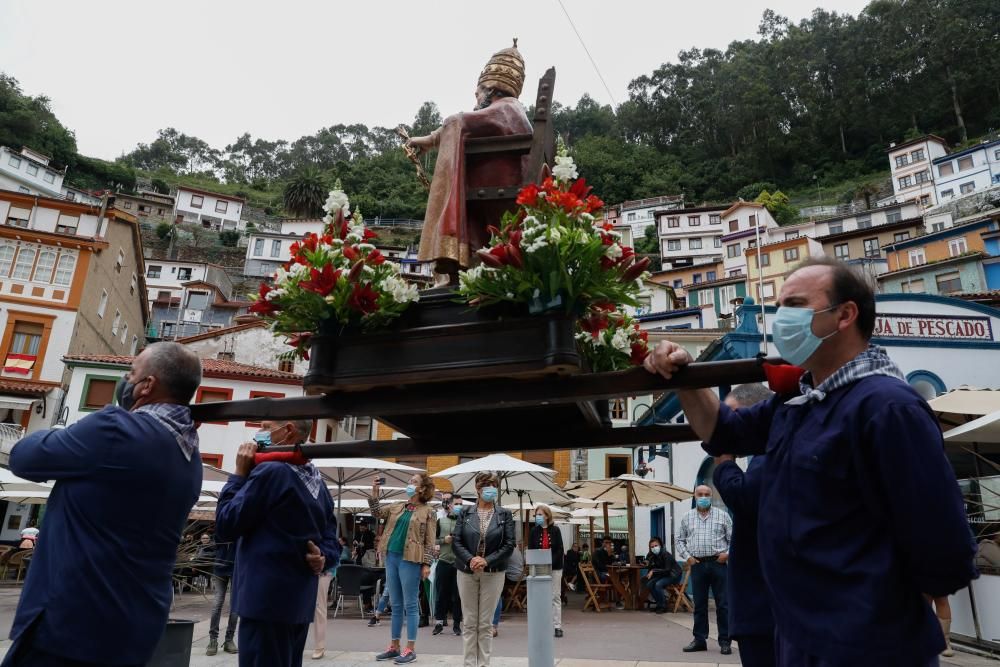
(938, 327)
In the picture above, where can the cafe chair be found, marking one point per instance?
(516, 595)
(598, 594)
(678, 593)
(349, 585)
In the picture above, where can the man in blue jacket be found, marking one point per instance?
(282, 515)
(750, 621)
(99, 588)
(860, 514)
(222, 577)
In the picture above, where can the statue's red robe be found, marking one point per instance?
(447, 232)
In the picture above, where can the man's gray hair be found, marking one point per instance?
(749, 394)
(176, 367)
(302, 426)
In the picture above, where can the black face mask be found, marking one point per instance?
(125, 393)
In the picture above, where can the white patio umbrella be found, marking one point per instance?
(517, 478)
(11, 482)
(595, 510)
(349, 471)
(26, 497)
(630, 490)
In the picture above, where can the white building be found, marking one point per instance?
(166, 279)
(690, 236)
(29, 172)
(875, 217)
(92, 386)
(209, 209)
(80, 195)
(966, 172)
(741, 223)
(266, 251)
(641, 213)
(910, 164)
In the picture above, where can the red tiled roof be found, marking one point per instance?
(33, 387)
(216, 368)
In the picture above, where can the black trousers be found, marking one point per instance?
(271, 644)
(757, 650)
(446, 593)
(706, 575)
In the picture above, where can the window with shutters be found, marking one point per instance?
(791, 254)
(67, 224)
(545, 458)
(116, 323)
(286, 365)
(98, 391)
(957, 246)
(694, 244)
(841, 251)
(965, 163)
(948, 282)
(871, 248)
(213, 395)
(102, 305)
(197, 201)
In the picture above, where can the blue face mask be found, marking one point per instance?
(411, 490)
(456, 510)
(793, 334)
(539, 520)
(262, 438)
(704, 502)
(489, 494)
(656, 550)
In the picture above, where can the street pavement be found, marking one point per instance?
(608, 639)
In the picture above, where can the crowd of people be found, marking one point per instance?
(824, 561)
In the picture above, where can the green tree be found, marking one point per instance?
(303, 196)
(779, 207)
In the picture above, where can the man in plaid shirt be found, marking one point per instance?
(703, 542)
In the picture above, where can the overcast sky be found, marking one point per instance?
(117, 71)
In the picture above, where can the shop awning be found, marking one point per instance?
(8, 402)
(964, 404)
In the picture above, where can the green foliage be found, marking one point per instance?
(304, 194)
(29, 122)
(163, 230)
(229, 237)
(160, 185)
(94, 174)
(779, 207)
(752, 191)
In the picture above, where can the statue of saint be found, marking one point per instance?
(449, 237)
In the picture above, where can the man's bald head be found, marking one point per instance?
(821, 282)
(703, 490)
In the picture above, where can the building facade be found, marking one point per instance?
(968, 171)
(937, 246)
(209, 209)
(690, 236)
(862, 248)
(165, 278)
(777, 261)
(146, 206)
(718, 300)
(743, 223)
(910, 163)
(641, 213)
(30, 172)
(946, 277)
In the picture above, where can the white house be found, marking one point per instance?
(641, 213)
(29, 172)
(690, 236)
(965, 172)
(210, 209)
(165, 278)
(910, 164)
(880, 215)
(742, 222)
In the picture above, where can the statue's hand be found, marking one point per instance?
(420, 144)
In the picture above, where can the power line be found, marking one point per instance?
(587, 51)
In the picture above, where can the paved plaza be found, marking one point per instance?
(611, 638)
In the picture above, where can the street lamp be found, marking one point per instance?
(578, 463)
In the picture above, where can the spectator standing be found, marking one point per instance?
(703, 542)
(322, 600)
(484, 541)
(663, 571)
(988, 552)
(366, 541)
(751, 622)
(407, 548)
(222, 577)
(855, 481)
(545, 535)
(125, 479)
(282, 515)
(446, 576)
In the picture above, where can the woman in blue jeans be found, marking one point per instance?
(406, 547)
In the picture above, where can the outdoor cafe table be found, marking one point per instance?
(627, 582)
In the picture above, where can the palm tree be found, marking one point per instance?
(304, 194)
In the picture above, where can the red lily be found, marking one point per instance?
(322, 282)
(639, 353)
(635, 270)
(350, 252)
(579, 188)
(514, 255)
(593, 203)
(488, 259)
(363, 299)
(594, 324)
(375, 257)
(369, 235)
(310, 242)
(528, 196)
(356, 271)
(262, 306)
(300, 339)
